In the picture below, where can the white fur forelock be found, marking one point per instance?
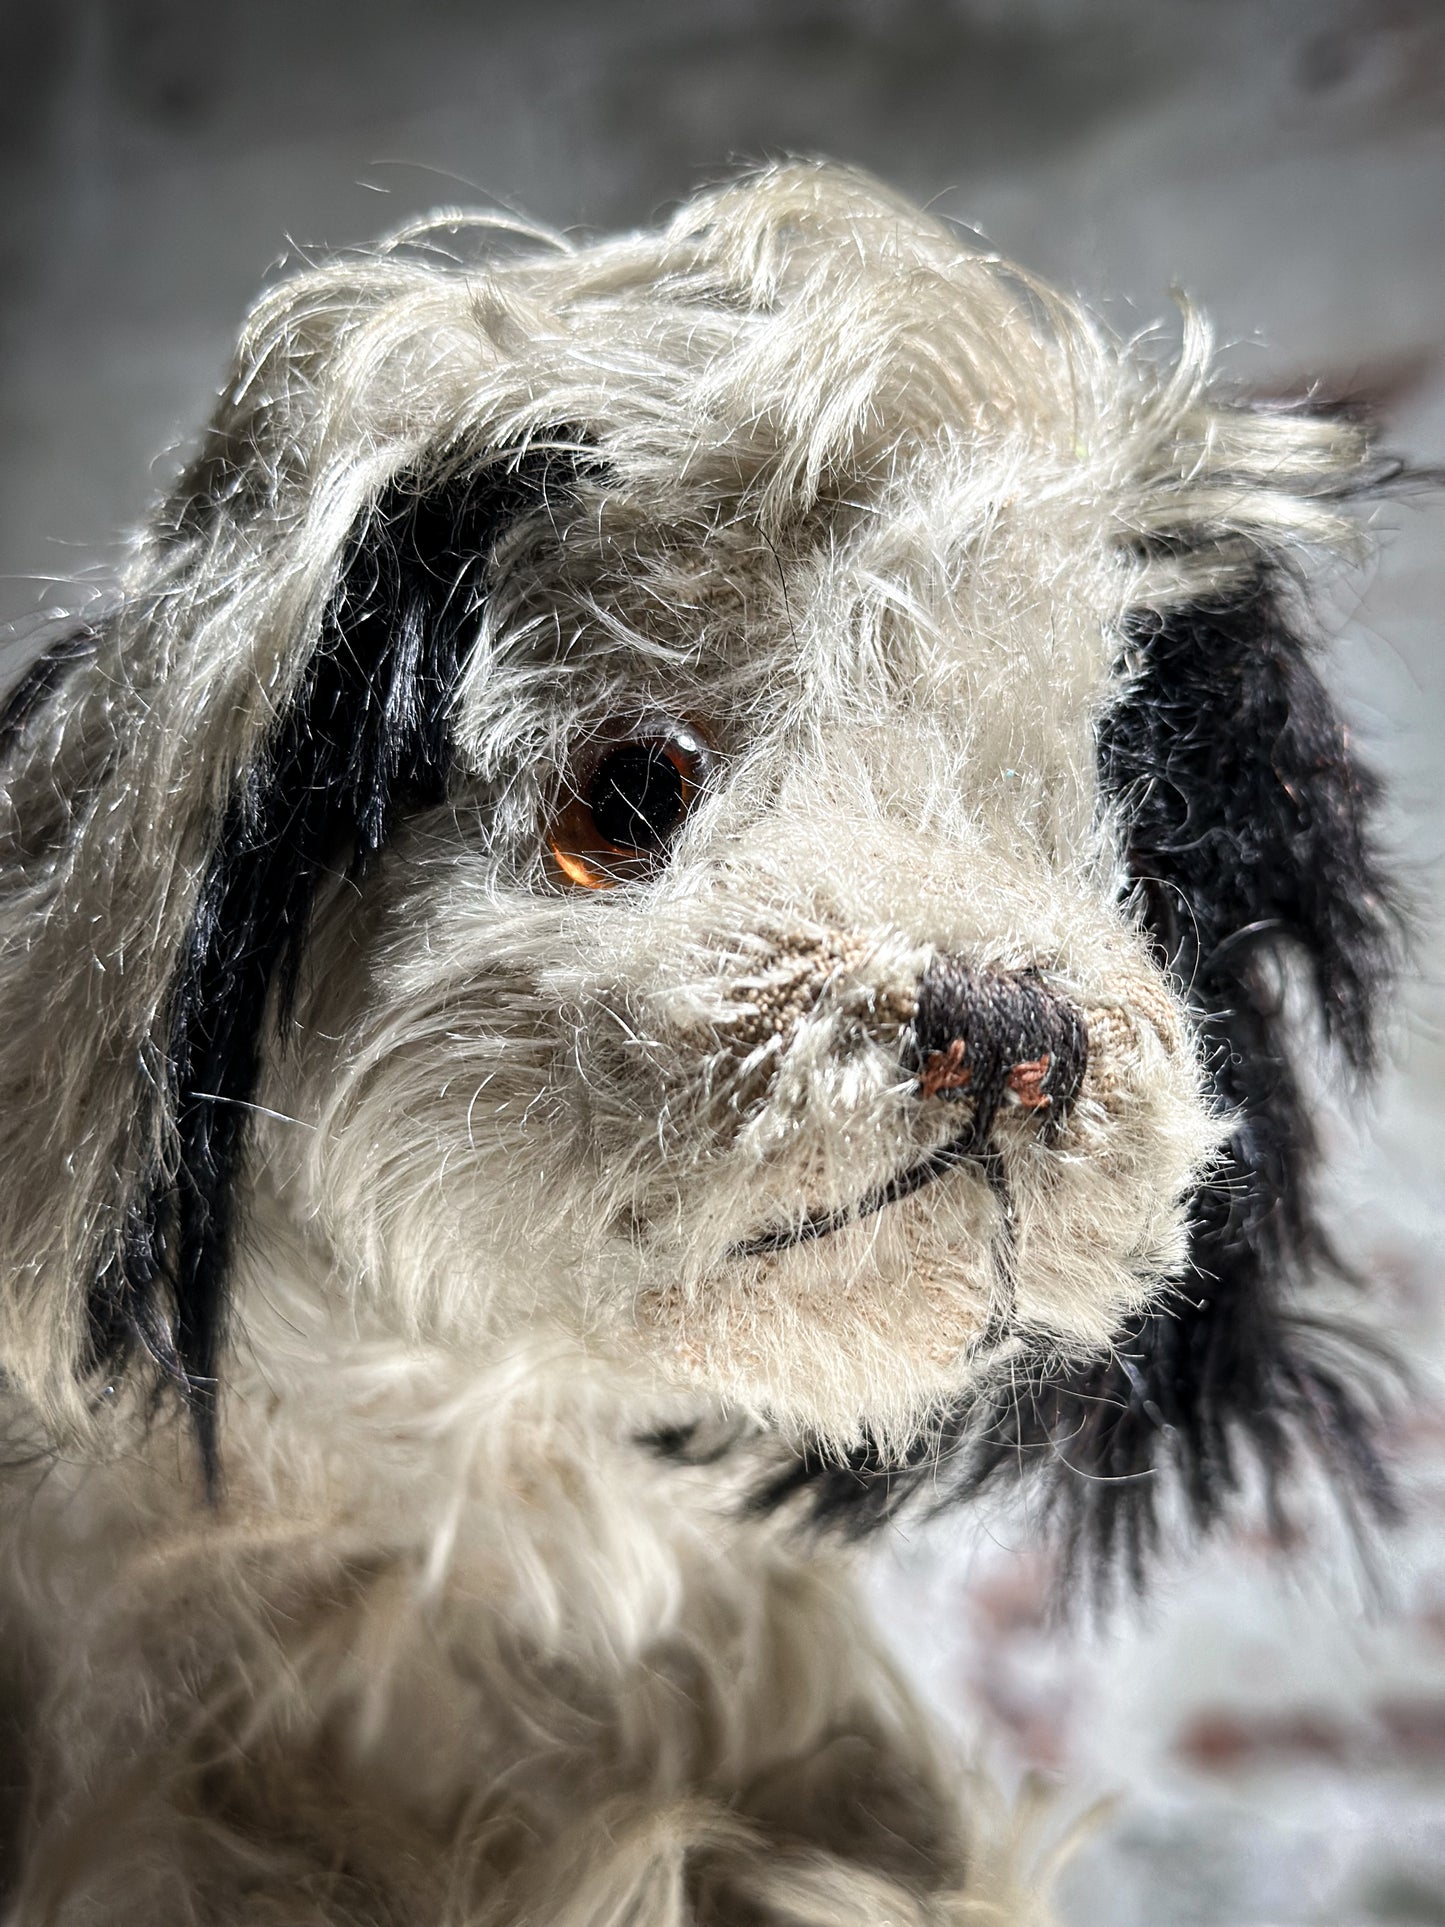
(870, 509)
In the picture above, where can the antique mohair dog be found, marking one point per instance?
(671, 907)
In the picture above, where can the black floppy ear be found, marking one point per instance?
(1248, 835)
(364, 736)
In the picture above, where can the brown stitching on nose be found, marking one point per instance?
(1025, 1081)
(945, 1070)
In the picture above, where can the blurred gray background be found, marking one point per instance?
(1272, 1727)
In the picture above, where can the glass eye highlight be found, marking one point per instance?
(631, 792)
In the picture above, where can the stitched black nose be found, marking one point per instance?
(996, 1037)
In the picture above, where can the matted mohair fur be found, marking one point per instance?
(662, 911)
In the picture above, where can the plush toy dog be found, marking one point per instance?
(664, 911)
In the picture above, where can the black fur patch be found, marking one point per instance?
(1248, 834)
(365, 737)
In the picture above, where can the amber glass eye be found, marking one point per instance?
(631, 791)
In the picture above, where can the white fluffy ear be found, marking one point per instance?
(363, 733)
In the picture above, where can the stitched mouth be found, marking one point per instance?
(963, 1149)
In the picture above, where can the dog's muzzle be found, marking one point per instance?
(993, 1039)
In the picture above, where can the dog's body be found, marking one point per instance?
(658, 910)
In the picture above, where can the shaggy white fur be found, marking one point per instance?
(842, 519)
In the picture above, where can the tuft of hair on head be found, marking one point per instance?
(1246, 822)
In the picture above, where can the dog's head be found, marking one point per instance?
(747, 793)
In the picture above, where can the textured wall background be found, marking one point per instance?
(1274, 1728)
